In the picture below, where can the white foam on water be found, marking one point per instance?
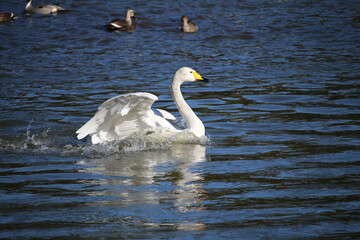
(160, 139)
(51, 141)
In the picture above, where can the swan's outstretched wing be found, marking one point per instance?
(121, 116)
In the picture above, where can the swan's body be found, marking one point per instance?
(42, 9)
(123, 25)
(187, 25)
(128, 114)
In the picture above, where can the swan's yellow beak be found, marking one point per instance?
(198, 77)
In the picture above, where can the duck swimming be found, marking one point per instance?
(7, 17)
(188, 26)
(123, 25)
(42, 9)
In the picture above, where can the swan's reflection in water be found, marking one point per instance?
(189, 183)
(158, 182)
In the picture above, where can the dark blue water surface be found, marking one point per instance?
(282, 112)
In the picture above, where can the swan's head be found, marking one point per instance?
(186, 74)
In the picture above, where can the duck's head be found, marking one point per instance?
(130, 13)
(184, 18)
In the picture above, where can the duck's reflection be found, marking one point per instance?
(170, 179)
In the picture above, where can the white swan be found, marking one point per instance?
(127, 114)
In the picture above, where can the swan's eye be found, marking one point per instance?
(190, 71)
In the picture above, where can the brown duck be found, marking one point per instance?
(7, 17)
(123, 25)
(188, 26)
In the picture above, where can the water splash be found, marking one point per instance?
(54, 141)
(157, 140)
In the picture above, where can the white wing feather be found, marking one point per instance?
(166, 114)
(116, 25)
(121, 116)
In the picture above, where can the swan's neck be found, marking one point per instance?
(194, 124)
